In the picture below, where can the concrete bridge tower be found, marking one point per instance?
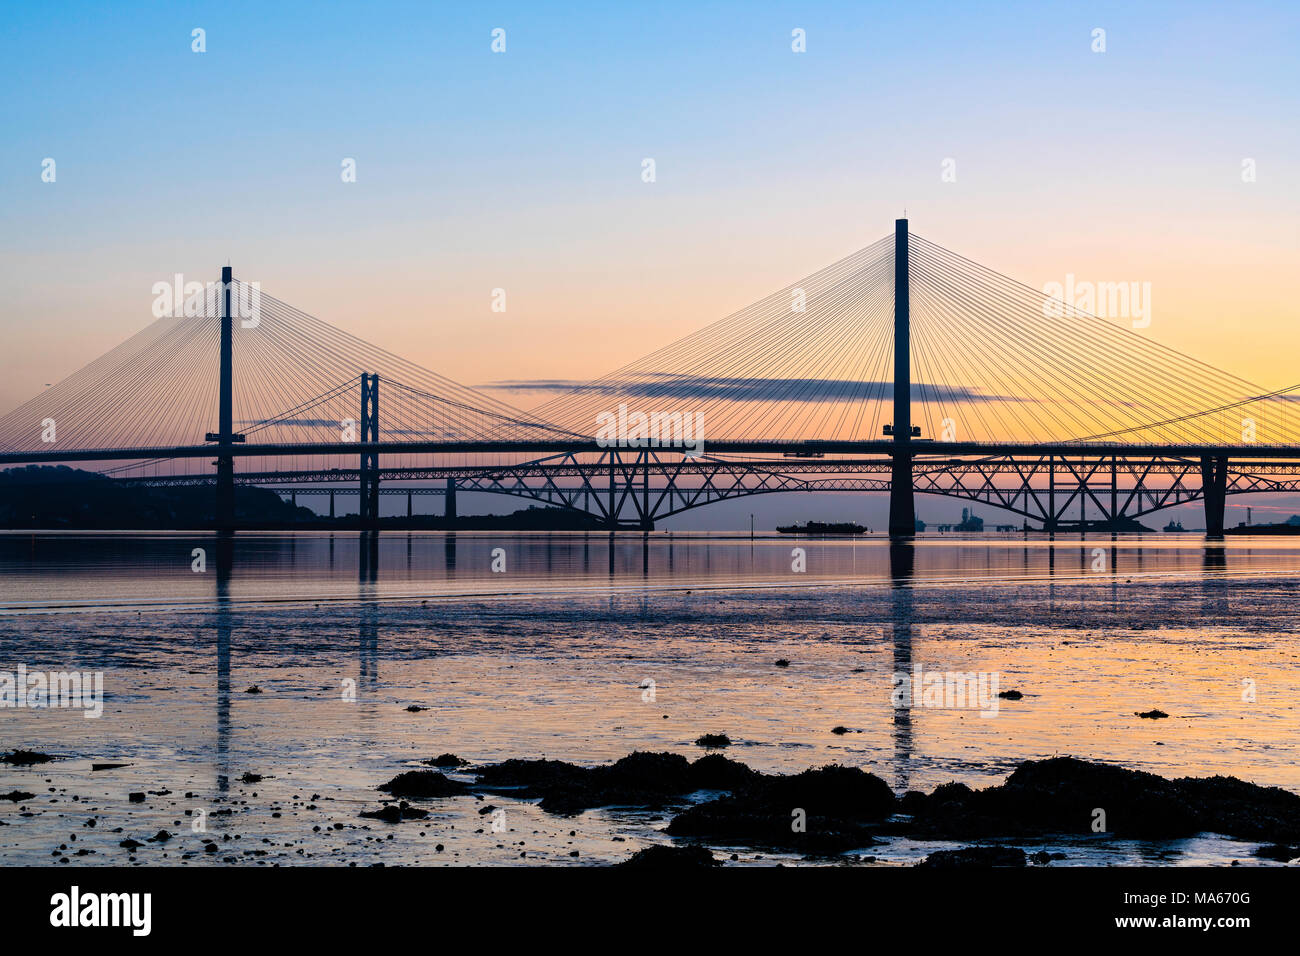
(902, 507)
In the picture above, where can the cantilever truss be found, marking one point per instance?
(618, 483)
(1108, 489)
(634, 488)
(631, 488)
(649, 486)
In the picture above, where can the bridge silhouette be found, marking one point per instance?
(902, 369)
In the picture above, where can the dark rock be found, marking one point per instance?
(782, 663)
(423, 785)
(162, 836)
(107, 766)
(131, 844)
(25, 758)
(16, 795)
(1152, 714)
(1277, 851)
(833, 790)
(1245, 810)
(528, 773)
(253, 690)
(670, 858)
(642, 769)
(136, 797)
(391, 813)
(1011, 695)
(640, 779)
(839, 730)
(976, 856)
(251, 778)
(739, 821)
(652, 780)
(827, 810)
(1060, 795)
(446, 760)
(713, 740)
(415, 708)
(716, 772)
(844, 808)
(911, 801)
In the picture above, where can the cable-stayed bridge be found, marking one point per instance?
(903, 368)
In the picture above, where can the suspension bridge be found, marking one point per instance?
(902, 369)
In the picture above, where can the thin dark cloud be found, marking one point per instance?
(301, 422)
(747, 389)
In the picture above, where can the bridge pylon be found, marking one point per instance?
(225, 434)
(369, 470)
(902, 505)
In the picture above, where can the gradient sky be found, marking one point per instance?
(522, 170)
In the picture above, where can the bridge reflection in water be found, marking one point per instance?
(901, 559)
(69, 571)
(888, 569)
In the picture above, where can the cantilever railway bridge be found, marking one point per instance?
(901, 369)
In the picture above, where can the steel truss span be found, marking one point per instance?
(637, 489)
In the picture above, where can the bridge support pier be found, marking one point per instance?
(647, 522)
(611, 517)
(369, 474)
(1049, 523)
(450, 510)
(902, 504)
(1114, 494)
(1214, 487)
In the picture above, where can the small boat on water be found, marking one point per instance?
(1174, 526)
(822, 527)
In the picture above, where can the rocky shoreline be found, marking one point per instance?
(830, 814)
(826, 811)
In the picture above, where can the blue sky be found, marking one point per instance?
(521, 170)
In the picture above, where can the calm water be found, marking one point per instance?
(549, 657)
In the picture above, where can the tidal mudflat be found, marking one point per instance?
(252, 711)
